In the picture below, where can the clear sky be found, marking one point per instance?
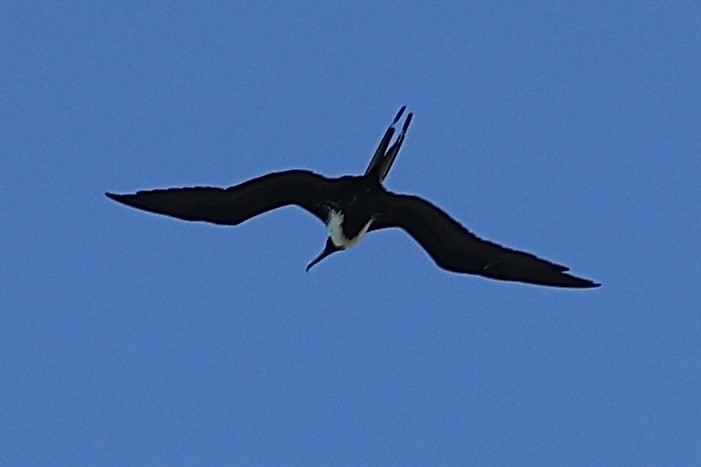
(566, 129)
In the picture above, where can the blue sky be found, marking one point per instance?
(569, 130)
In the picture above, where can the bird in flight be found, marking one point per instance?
(352, 206)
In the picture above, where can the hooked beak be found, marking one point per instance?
(329, 249)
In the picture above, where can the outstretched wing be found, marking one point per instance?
(236, 204)
(456, 249)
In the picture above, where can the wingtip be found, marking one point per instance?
(585, 284)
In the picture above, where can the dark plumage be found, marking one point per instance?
(352, 206)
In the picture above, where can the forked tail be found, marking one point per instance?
(383, 158)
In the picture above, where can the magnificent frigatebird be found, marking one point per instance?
(351, 206)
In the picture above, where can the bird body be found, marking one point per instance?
(337, 234)
(352, 206)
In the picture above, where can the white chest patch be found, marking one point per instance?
(338, 238)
